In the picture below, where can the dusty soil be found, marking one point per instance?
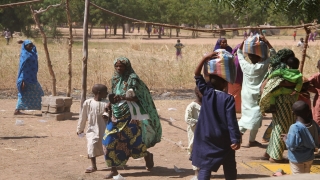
(52, 150)
(48, 149)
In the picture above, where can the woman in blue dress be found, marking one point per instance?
(30, 91)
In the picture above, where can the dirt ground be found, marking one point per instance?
(49, 149)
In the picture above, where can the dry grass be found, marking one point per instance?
(154, 63)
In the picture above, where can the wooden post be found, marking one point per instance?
(45, 46)
(304, 51)
(85, 53)
(70, 41)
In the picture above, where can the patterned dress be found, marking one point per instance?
(126, 138)
(29, 98)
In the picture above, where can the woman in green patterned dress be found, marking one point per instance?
(127, 133)
(283, 117)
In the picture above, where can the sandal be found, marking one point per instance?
(149, 161)
(90, 170)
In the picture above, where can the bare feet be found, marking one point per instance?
(90, 169)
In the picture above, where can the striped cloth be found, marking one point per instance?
(223, 66)
(252, 45)
(281, 120)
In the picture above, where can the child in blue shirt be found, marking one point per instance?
(302, 139)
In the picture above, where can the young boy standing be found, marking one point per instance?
(217, 134)
(92, 112)
(178, 47)
(302, 139)
(191, 118)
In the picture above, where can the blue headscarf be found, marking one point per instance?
(28, 67)
(228, 48)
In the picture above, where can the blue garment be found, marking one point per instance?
(217, 127)
(30, 96)
(300, 143)
(229, 168)
(28, 67)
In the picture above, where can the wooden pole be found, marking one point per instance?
(85, 52)
(70, 41)
(305, 47)
(45, 46)
(19, 3)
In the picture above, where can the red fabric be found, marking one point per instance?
(315, 88)
(235, 90)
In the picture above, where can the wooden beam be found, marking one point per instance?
(19, 3)
(203, 30)
(85, 52)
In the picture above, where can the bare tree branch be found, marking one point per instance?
(19, 3)
(49, 7)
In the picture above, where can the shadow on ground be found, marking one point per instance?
(158, 171)
(23, 137)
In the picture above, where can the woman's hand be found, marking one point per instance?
(118, 98)
(211, 55)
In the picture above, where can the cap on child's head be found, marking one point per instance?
(99, 88)
(302, 109)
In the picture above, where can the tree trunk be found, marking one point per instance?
(45, 46)
(85, 53)
(304, 52)
(105, 31)
(159, 33)
(70, 41)
(115, 29)
(123, 30)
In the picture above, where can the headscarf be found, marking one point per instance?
(277, 61)
(217, 46)
(28, 66)
(239, 76)
(151, 128)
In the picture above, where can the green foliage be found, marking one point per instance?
(193, 12)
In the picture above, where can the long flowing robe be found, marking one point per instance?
(92, 111)
(217, 127)
(30, 97)
(127, 138)
(253, 75)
